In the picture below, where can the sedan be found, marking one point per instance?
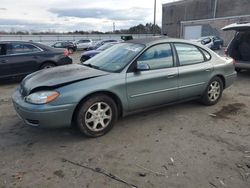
(129, 77)
(18, 59)
(67, 45)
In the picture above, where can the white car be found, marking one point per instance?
(83, 44)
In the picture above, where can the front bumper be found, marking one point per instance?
(43, 115)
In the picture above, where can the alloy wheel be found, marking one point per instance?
(214, 91)
(98, 116)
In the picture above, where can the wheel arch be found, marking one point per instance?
(107, 93)
(222, 79)
(47, 61)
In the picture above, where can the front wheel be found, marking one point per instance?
(47, 65)
(96, 116)
(213, 92)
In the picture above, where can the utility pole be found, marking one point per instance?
(215, 8)
(154, 17)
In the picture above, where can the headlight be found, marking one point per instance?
(42, 97)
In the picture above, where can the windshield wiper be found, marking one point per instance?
(90, 65)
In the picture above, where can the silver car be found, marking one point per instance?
(126, 78)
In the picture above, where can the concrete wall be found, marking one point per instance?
(174, 13)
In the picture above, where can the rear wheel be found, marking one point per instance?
(47, 65)
(96, 116)
(213, 92)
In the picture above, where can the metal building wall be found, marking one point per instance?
(190, 10)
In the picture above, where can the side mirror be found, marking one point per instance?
(142, 67)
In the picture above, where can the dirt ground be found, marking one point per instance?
(182, 146)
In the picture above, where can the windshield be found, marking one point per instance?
(115, 58)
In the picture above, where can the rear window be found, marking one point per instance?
(188, 54)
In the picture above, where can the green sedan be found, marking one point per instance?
(127, 78)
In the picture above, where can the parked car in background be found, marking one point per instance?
(22, 58)
(67, 45)
(239, 47)
(88, 54)
(100, 43)
(212, 42)
(127, 78)
(83, 44)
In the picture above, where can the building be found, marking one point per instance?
(191, 19)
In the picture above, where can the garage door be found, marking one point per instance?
(192, 32)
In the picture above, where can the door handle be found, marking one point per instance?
(35, 57)
(208, 70)
(4, 61)
(171, 76)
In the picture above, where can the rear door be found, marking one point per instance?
(195, 70)
(155, 86)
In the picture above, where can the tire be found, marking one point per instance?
(213, 92)
(91, 117)
(47, 65)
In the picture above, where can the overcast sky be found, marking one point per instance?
(70, 15)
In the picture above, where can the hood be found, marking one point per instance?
(237, 27)
(58, 76)
(90, 53)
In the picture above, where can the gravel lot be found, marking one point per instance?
(182, 146)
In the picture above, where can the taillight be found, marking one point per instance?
(66, 53)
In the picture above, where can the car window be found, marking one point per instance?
(18, 48)
(206, 54)
(188, 54)
(84, 41)
(157, 57)
(2, 49)
(59, 44)
(116, 57)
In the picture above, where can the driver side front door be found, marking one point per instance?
(156, 86)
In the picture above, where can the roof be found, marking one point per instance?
(43, 46)
(155, 40)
